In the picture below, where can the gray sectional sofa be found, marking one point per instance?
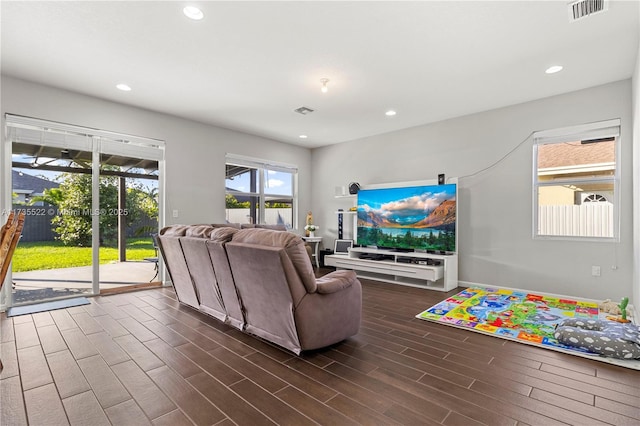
(261, 281)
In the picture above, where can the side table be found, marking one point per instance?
(315, 247)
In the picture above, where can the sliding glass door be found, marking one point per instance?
(53, 257)
(93, 204)
(128, 222)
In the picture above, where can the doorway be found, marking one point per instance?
(92, 201)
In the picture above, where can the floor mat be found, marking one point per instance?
(47, 306)
(515, 315)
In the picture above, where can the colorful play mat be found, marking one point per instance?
(515, 315)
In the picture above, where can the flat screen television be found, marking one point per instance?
(408, 218)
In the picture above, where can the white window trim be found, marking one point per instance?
(595, 130)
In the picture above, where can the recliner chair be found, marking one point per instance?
(283, 301)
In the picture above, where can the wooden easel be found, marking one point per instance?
(9, 237)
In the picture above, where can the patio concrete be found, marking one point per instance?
(53, 283)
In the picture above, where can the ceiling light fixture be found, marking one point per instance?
(193, 12)
(123, 87)
(324, 88)
(303, 136)
(554, 69)
(390, 113)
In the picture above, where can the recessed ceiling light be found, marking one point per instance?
(193, 13)
(123, 87)
(303, 136)
(554, 69)
(390, 113)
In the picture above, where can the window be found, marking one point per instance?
(575, 182)
(261, 192)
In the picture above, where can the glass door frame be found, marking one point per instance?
(95, 218)
(96, 136)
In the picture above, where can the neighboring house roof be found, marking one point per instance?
(570, 154)
(25, 183)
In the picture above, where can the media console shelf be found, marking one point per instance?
(426, 270)
(343, 214)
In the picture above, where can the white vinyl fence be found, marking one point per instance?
(585, 220)
(272, 216)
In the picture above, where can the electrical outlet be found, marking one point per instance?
(175, 213)
(595, 271)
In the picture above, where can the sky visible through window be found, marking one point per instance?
(278, 183)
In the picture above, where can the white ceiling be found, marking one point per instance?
(248, 65)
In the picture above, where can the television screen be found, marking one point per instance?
(408, 218)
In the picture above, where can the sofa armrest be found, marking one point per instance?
(336, 281)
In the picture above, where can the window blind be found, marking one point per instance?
(43, 132)
(598, 130)
(239, 160)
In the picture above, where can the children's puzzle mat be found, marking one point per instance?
(515, 315)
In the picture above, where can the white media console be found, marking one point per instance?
(426, 270)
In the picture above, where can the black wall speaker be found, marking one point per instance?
(354, 187)
(441, 179)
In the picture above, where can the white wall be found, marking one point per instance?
(495, 207)
(195, 152)
(495, 243)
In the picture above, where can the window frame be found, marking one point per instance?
(590, 131)
(263, 166)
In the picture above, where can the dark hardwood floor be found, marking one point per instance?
(141, 358)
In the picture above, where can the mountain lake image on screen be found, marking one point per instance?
(410, 218)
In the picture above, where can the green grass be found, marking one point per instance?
(55, 255)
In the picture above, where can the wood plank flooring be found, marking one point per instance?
(142, 359)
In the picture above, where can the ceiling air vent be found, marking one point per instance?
(303, 110)
(583, 8)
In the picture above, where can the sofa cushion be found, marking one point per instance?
(175, 230)
(226, 225)
(203, 276)
(171, 249)
(336, 281)
(217, 253)
(291, 243)
(222, 234)
(199, 231)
